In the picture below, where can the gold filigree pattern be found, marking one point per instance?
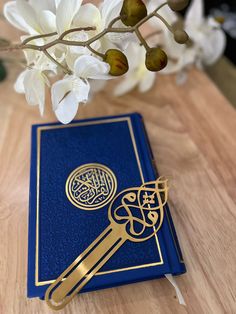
(140, 209)
(135, 214)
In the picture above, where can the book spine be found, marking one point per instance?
(176, 262)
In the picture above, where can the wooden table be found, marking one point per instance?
(192, 131)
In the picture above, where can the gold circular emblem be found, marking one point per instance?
(91, 186)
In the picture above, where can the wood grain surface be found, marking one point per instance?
(192, 131)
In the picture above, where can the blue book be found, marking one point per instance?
(108, 155)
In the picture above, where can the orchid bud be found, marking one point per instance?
(180, 36)
(156, 59)
(220, 19)
(117, 61)
(177, 5)
(132, 12)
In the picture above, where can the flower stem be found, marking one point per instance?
(141, 39)
(65, 69)
(165, 22)
(96, 52)
(77, 29)
(114, 21)
(26, 41)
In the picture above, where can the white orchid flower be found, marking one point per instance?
(32, 17)
(66, 11)
(110, 9)
(40, 17)
(73, 52)
(69, 93)
(33, 80)
(180, 56)
(207, 40)
(138, 75)
(206, 33)
(90, 15)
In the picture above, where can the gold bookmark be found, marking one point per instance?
(136, 214)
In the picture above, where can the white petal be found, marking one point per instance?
(46, 79)
(110, 9)
(135, 55)
(173, 49)
(35, 89)
(12, 15)
(90, 67)
(147, 82)
(212, 22)
(71, 58)
(120, 39)
(67, 94)
(67, 109)
(59, 90)
(126, 85)
(88, 15)
(57, 2)
(183, 59)
(42, 63)
(81, 89)
(41, 5)
(80, 36)
(47, 21)
(106, 44)
(213, 46)
(31, 56)
(195, 14)
(28, 14)
(19, 84)
(165, 12)
(66, 11)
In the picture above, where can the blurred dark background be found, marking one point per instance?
(228, 10)
(223, 73)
